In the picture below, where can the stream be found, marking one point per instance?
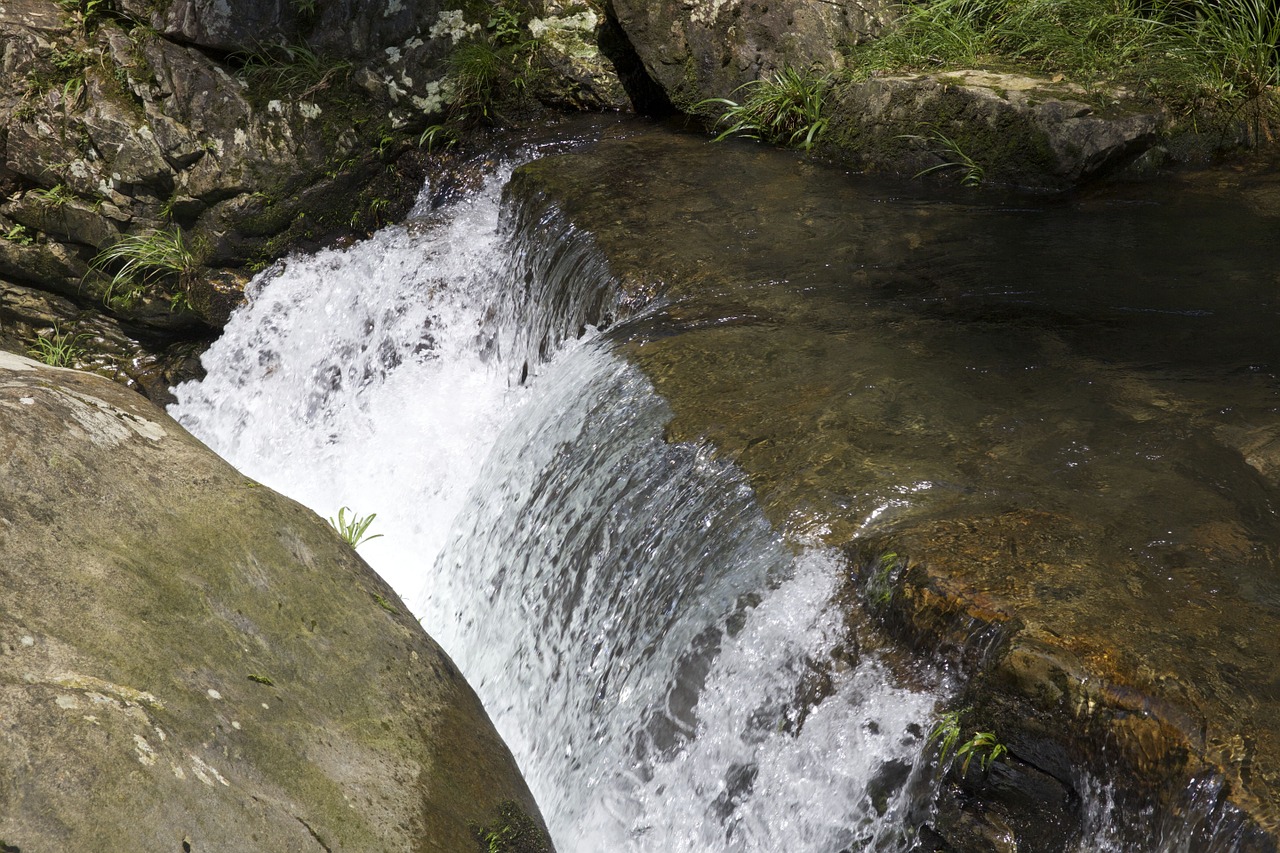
(650, 613)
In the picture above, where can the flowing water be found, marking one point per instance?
(642, 638)
(670, 671)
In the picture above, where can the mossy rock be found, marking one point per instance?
(192, 661)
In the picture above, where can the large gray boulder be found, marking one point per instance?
(190, 661)
(708, 48)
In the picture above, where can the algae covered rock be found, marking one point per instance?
(189, 661)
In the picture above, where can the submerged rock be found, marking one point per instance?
(190, 661)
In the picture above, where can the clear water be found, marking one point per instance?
(670, 674)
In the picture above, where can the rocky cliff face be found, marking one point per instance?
(708, 48)
(234, 131)
(190, 661)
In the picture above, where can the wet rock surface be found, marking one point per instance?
(190, 661)
(1058, 415)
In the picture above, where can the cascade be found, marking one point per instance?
(670, 672)
(651, 650)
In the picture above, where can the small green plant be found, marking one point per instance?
(384, 604)
(69, 59)
(437, 135)
(293, 69)
(879, 589)
(953, 157)
(20, 235)
(785, 109)
(378, 207)
(142, 260)
(355, 529)
(504, 25)
(71, 92)
(166, 209)
(54, 197)
(90, 12)
(982, 745)
(261, 679)
(180, 302)
(985, 747)
(58, 348)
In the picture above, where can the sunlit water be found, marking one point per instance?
(670, 674)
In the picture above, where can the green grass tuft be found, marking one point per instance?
(1186, 53)
(353, 530)
(52, 198)
(58, 348)
(142, 260)
(953, 158)
(785, 109)
(982, 745)
(295, 70)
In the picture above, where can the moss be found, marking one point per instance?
(512, 831)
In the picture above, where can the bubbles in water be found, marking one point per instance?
(356, 378)
(688, 683)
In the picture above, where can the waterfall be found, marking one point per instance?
(669, 673)
(680, 679)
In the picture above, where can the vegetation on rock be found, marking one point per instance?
(143, 260)
(513, 832)
(981, 745)
(785, 109)
(58, 348)
(353, 530)
(953, 157)
(1197, 55)
(490, 69)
